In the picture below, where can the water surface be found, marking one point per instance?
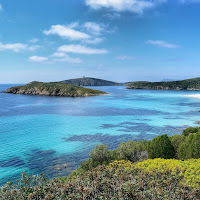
(53, 135)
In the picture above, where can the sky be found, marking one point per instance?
(118, 40)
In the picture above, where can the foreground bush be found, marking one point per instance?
(118, 180)
(188, 170)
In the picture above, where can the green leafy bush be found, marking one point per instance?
(189, 130)
(161, 147)
(176, 141)
(190, 148)
(132, 151)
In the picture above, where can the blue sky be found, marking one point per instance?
(119, 40)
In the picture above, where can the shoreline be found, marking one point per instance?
(196, 96)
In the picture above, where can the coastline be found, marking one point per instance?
(196, 96)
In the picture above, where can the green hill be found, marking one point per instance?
(87, 81)
(188, 84)
(53, 89)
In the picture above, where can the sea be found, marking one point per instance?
(53, 135)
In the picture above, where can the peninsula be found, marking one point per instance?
(188, 84)
(87, 81)
(53, 89)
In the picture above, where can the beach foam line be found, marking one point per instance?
(196, 96)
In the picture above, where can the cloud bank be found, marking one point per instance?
(136, 6)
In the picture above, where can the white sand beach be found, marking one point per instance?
(197, 96)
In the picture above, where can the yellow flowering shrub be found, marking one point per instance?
(121, 163)
(189, 169)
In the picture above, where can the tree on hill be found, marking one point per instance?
(133, 151)
(190, 148)
(161, 147)
(176, 141)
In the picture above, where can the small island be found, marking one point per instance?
(53, 89)
(188, 84)
(87, 81)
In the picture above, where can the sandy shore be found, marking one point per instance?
(197, 96)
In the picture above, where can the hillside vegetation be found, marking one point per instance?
(188, 84)
(53, 89)
(87, 81)
(136, 170)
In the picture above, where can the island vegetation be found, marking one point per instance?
(188, 84)
(163, 168)
(53, 89)
(87, 81)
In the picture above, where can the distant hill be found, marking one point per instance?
(53, 89)
(127, 83)
(87, 81)
(169, 80)
(188, 84)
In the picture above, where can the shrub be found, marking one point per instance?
(118, 180)
(189, 130)
(190, 148)
(188, 170)
(161, 147)
(100, 154)
(176, 141)
(132, 151)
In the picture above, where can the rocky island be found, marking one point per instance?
(87, 81)
(188, 84)
(53, 89)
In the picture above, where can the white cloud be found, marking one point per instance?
(38, 59)
(67, 32)
(80, 49)
(1, 8)
(16, 47)
(93, 28)
(34, 40)
(63, 57)
(68, 59)
(160, 43)
(123, 57)
(88, 32)
(137, 6)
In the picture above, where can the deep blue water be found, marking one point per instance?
(39, 134)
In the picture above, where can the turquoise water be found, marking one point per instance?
(53, 135)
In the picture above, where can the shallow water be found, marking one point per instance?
(53, 135)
